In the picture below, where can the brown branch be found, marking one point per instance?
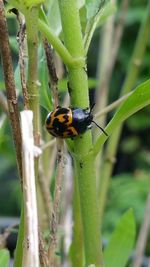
(58, 181)
(56, 205)
(10, 86)
(52, 72)
(3, 102)
(42, 252)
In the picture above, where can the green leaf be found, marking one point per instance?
(53, 17)
(139, 99)
(93, 7)
(136, 101)
(121, 243)
(4, 258)
(42, 15)
(97, 20)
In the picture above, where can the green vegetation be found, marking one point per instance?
(58, 61)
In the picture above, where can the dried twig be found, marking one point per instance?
(3, 102)
(143, 236)
(52, 72)
(10, 86)
(56, 204)
(42, 252)
(31, 248)
(58, 185)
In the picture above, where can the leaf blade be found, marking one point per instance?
(139, 99)
(4, 258)
(121, 243)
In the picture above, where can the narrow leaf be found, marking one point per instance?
(136, 101)
(4, 258)
(139, 99)
(121, 243)
(99, 18)
(53, 17)
(93, 7)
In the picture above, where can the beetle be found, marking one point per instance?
(69, 122)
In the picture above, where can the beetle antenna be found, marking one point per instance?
(100, 128)
(92, 107)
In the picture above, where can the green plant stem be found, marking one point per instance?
(76, 255)
(55, 42)
(58, 45)
(85, 169)
(129, 82)
(31, 17)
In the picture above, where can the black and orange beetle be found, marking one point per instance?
(69, 122)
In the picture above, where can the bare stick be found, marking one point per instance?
(52, 72)
(42, 252)
(3, 102)
(10, 86)
(143, 236)
(58, 185)
(56, 204)
(31, 248)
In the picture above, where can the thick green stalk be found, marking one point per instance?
(82, 145)
(31, 17)
(76, 252)
(128, 85)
